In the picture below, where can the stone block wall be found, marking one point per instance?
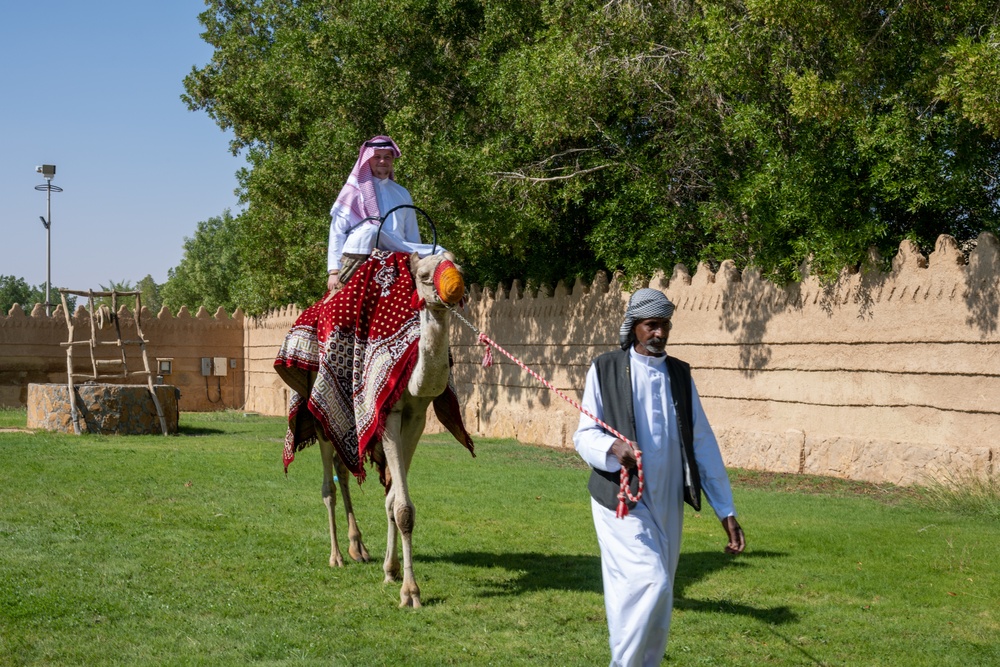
(109, 409)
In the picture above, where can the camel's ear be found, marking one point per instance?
(414, 258)
(447, 254)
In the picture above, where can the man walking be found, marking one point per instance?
(651, 399)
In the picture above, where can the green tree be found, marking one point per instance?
(148, 287)
(16, 290)
(840, 138)
(151, 297)
(113, 286)
(210, 273)
(551, 138)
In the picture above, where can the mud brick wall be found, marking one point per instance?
(31, 351)
(889, 377)
(885, 377)
(265, 391)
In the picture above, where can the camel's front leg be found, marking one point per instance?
(399, 507)
(356, 550)
(330, 499)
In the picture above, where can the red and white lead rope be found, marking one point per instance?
(623, 490)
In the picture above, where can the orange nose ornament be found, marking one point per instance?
(448, 283)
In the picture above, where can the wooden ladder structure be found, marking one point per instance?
(106, 368)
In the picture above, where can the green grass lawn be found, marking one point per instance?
(198, 550)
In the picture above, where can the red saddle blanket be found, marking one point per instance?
(362, 345)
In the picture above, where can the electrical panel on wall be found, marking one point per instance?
(221, 366)
(206, 366)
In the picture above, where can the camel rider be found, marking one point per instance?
(371, 190)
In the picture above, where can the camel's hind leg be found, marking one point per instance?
(356, 550)
(331, 462)
(330, 499)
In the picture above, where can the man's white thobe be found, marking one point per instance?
(639, 553)
(399, 233)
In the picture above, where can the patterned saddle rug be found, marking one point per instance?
(362, 345)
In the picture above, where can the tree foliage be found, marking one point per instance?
(151, 297)
(16, 290)
(150, 294)
(210, 273)
(112, 286)
(550, 138)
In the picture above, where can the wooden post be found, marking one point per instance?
(69, 364)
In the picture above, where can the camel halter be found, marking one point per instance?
(448, 285)
(623, 490)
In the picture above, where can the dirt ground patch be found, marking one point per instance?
(774, 481)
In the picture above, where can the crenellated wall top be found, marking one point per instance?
(38, 317)
(946, 264)
(942, 297)
(972, 284)
(279, 318)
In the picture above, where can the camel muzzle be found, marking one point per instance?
(448, 283)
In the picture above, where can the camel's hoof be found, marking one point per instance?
(337, 561)
(409, 601)
(359, 557)
(409, 595)
(391, 578)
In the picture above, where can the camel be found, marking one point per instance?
(403, 428)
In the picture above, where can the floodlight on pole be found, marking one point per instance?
(48, 172)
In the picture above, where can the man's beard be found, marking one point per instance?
(655, 346)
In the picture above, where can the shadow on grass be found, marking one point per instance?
(693, 567)
(199, 430)
(534, 571)
(530, 571)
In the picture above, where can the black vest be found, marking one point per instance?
(614, 374)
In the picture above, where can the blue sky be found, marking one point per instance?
(94, 88)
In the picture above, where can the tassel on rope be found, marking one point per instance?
(488, 355)
(623, 490)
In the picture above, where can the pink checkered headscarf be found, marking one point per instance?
(356, 200)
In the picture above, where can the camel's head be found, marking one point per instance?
(439, 279)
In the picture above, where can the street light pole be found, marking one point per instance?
(48, 171)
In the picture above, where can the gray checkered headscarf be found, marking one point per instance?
(642, 305)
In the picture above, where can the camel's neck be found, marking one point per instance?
(430, 375)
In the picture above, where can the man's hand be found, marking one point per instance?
(623, 452)
(333, 286)
(735, 534)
